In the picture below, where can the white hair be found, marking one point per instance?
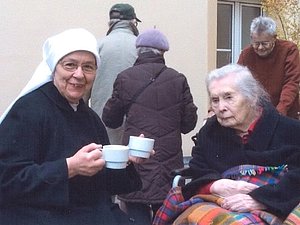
(245, 83)
(263, 24)
(144, 49)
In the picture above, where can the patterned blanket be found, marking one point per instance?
(205, 209)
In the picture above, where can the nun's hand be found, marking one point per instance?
(140, 160)
(87, 161)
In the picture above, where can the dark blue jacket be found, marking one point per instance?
(275, 141)
(36, 137)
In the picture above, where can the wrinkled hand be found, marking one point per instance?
(87, 161)
(139, 160)
(227, 187)
(241, 203)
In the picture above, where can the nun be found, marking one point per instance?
(51, 169)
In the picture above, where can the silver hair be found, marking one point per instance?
(143, 49)
(245, 83)
(263, 24)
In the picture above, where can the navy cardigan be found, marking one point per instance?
(275, 141)
(37, 136)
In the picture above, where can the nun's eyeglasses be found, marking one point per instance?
(87, 68)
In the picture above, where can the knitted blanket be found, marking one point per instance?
(205, 209)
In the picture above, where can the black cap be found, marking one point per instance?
(123, 12)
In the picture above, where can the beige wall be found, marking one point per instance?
(190, 26)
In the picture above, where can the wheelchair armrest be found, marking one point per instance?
(185, 171)
(181, 175)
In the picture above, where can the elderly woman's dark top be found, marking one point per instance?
(37, 136)
(275, 141)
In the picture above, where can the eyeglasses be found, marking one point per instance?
(265, 44)
(87, 68)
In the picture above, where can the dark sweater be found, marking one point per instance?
(37, 136)
(275, 141)
(279, 73)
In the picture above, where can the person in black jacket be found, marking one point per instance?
(51, 166)
(246, 129)
(157, 102)
(247, 156)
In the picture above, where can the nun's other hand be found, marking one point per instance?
(139, 160)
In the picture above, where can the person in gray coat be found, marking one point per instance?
(117, 52)
(157, 102)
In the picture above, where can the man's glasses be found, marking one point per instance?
(265, 44)
(87, 68)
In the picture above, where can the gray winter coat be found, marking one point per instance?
(117, 52)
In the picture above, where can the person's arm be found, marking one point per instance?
(24, 177)
(189, 110)
(282, 197)
(290, 88)
(123, 181)
(241, 58)
(200, 171)
(114, 110)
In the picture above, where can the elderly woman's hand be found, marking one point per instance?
(87, 161)
(227, 187)
(241, 203)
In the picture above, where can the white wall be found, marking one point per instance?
(190, 26)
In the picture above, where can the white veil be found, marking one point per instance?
(54, 49)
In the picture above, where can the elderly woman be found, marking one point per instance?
(51, 170)
(246, 158)
(157, 102)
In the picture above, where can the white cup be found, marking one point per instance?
(115, 156)
(140, 146)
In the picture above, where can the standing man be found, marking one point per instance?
(157, 102)
(275, 64)
(117, 52)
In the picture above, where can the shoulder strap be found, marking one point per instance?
(135, 96)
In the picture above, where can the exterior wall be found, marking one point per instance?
(190, 26)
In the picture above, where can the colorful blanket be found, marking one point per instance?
(205, 209)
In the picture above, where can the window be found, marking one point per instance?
(233, 29)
